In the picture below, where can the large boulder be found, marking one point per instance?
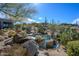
(31, 47)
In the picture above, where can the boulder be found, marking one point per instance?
(19, 39)
(31, 47)
(41, 43)
(8, 41)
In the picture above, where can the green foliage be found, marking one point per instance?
(23, 34)
(75, 35)
(66, 36)
(41, 28)
(39, 39)
(53, 27)
(18, 26)
(73, 48)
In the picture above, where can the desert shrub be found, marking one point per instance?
(41, 30)
(40, 42)
(23, 34)
(67, 35)
(39, 39)
(11, 33)
(1, 32)
(5, 30)
(73, 48)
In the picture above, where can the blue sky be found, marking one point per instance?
(60, 12)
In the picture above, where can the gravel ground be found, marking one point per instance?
(52, 52)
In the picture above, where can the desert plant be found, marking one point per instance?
(23, 34)
(73, 48)
(66, 35)
(39, 39)
(11, 33)
(1, 32)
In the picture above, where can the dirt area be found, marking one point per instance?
(52, 52)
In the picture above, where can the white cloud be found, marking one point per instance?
(17, 23)
(76, 21)
(40, 18)
(28, 20)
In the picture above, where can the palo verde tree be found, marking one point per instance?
(17, 12)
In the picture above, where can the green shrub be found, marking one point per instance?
(23, 34)
(39, 39)
(73, 48)
(68, 35)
